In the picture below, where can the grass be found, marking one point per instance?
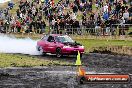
(12, 60)
(90, 43)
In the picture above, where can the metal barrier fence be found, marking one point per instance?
(115, 29)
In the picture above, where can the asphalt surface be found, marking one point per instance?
(65, 76)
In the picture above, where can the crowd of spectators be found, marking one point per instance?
(100, 17)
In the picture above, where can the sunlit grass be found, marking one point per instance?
(12, 60)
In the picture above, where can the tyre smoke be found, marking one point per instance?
(3, 1)
(10, 44)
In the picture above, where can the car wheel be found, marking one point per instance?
(40, 49)
(58, 52)
(81, 55)
(82, 80)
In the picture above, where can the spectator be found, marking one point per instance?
(122, 26)
(111, 2)
(11, 5)
(96, 4)
(117, 9)
(106, 16)
(18, 26)
(126, 15)
(30, 15)
(43, 25)
(6, 25)
(106, 8)
(107, 31)
(83, 1)
(130, 11)
(75, 9)
(98, 26)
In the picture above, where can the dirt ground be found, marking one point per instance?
(65, 76)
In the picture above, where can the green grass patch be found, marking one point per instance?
(90, 43)
(12, 60)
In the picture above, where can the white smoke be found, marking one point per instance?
(3, 1)
(14, 45)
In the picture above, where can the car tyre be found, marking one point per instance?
(81, 80)
(58, 52)
(81, 55)
(40, 49)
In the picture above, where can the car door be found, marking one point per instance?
(51, 44)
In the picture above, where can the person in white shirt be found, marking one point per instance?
(126, 15)
(122, 26)
(53, 23)
(73, 16)
(106, 8)
(21, 15)
(33, 10)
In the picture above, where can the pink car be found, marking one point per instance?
(59, 45)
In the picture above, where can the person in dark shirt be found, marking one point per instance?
(92, 16)
(113, 22)
(2, 27)
(117, 9)
(84, 23)
(83, 1)
(62, 24)
(75, 26)
(107, 23)
(56, 28)
(43, 25)
(75, 9)
(67, 15)
(123, 9)
(129, 21)
(38, 25)
(98, 25)
(50, 18)
(130, 11)
(18, 13)
(40, 17)
(67, 2)
(90, 5)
